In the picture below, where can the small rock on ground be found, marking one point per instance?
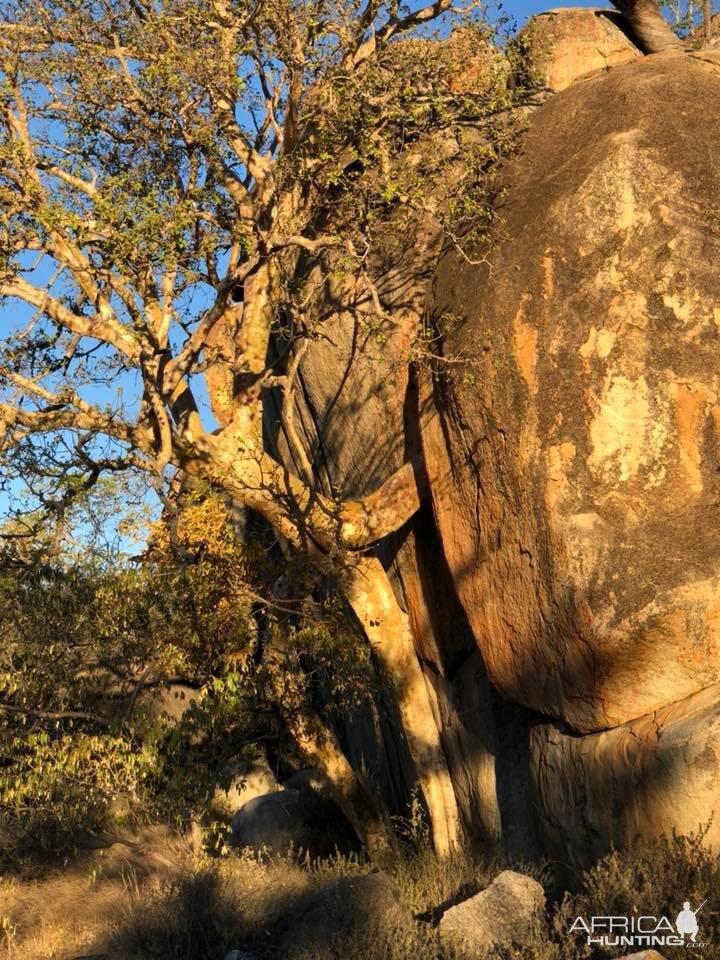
(508, 911)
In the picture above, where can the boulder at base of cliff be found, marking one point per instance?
(649, 777)
(508, 912)
(297, 819)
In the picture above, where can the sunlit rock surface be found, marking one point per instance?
(570, 42)
(574, 461)
(646, 778)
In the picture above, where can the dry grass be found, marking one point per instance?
(156, 901)
(60, 915)
(72, 911)
(252, 904)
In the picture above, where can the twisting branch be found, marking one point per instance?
(97, 327)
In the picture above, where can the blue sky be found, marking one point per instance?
(522, 9)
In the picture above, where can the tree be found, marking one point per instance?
(168, 177)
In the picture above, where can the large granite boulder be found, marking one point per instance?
(574, 459)
(292, 819)
(570, 42)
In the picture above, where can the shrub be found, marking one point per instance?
(650, 877)
(54, 788)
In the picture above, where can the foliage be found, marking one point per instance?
(104, 522)
(56, 787)
(650, 877)
(91, 653)
(181, 184)
(686, 17)
(142, 189)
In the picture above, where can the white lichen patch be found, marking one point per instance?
(683, 309)
(598, 344)
(586, 540)
(613, 197)
(625, 436)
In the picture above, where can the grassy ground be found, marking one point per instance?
(156, 899)
(64, 910)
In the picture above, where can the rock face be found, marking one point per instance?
(507, 912)
(570, 556)
(574, 463)
(650, 776)
(570, 42)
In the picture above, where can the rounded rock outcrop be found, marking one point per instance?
(651, 777)
(574, 461)
(570, 42)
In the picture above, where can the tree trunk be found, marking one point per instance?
(320, 746)
(235, 458)
(651, 31)
(370, 594)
